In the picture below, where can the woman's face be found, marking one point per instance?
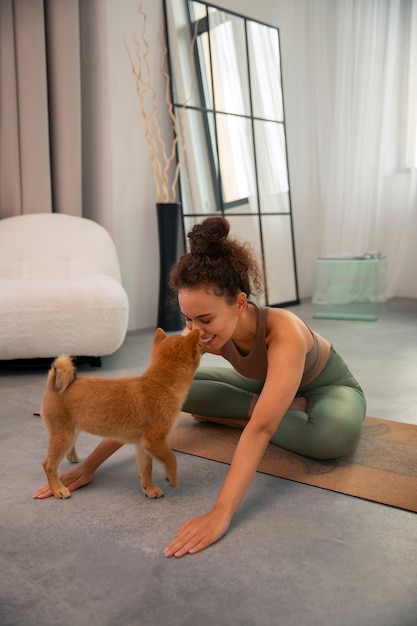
(211, 314)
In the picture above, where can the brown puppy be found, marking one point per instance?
(139, 409)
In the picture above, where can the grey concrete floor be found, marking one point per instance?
(294, 555)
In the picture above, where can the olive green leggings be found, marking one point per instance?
(329, 429)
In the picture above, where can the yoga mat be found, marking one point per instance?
(382, 468)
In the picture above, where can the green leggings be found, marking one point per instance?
(329, 429)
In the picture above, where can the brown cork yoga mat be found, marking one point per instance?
(382, 468)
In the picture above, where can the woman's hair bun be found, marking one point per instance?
(219, 261)
(209, 237)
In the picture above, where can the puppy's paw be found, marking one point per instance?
(153, 492)
(173, 481)
(72, 456)
(62, 493)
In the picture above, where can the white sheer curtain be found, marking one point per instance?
(55, 150)
(360, 54)
(411, 155)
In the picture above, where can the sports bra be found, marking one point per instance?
(255, 364)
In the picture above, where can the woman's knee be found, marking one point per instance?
(339, 419)
(341, 440)
(330, 429)
(310, 441)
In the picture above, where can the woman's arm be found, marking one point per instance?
(84, 472)
(285, 366)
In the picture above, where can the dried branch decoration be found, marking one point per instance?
(165, 175)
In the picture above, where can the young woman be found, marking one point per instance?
(288, 385)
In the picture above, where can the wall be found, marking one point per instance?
(135, 228)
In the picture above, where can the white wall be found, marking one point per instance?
(135, 227)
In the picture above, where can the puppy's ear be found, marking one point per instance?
(159, 336)
(193, 336)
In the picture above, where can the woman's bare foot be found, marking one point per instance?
(224, 421)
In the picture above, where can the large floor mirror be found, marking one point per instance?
(228, 103)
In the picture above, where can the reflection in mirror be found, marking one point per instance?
(200, 167)
(229, 62)
(279, 259)
(265, 71)
(271, 156)
(237, 167)
(227, 96)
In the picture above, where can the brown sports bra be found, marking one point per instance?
(255, 364)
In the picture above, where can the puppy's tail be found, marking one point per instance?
(61, 374)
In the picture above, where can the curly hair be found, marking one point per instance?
(217, 260)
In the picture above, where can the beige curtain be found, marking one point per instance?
(40, 107)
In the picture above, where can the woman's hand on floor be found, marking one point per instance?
(198, 533)
(74, 479)
(84, 472)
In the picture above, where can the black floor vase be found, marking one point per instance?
(171, 246)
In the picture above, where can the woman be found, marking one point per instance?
(287, 385)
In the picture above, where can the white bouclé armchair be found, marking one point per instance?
(60, 288)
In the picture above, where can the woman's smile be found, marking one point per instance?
(207, 341)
